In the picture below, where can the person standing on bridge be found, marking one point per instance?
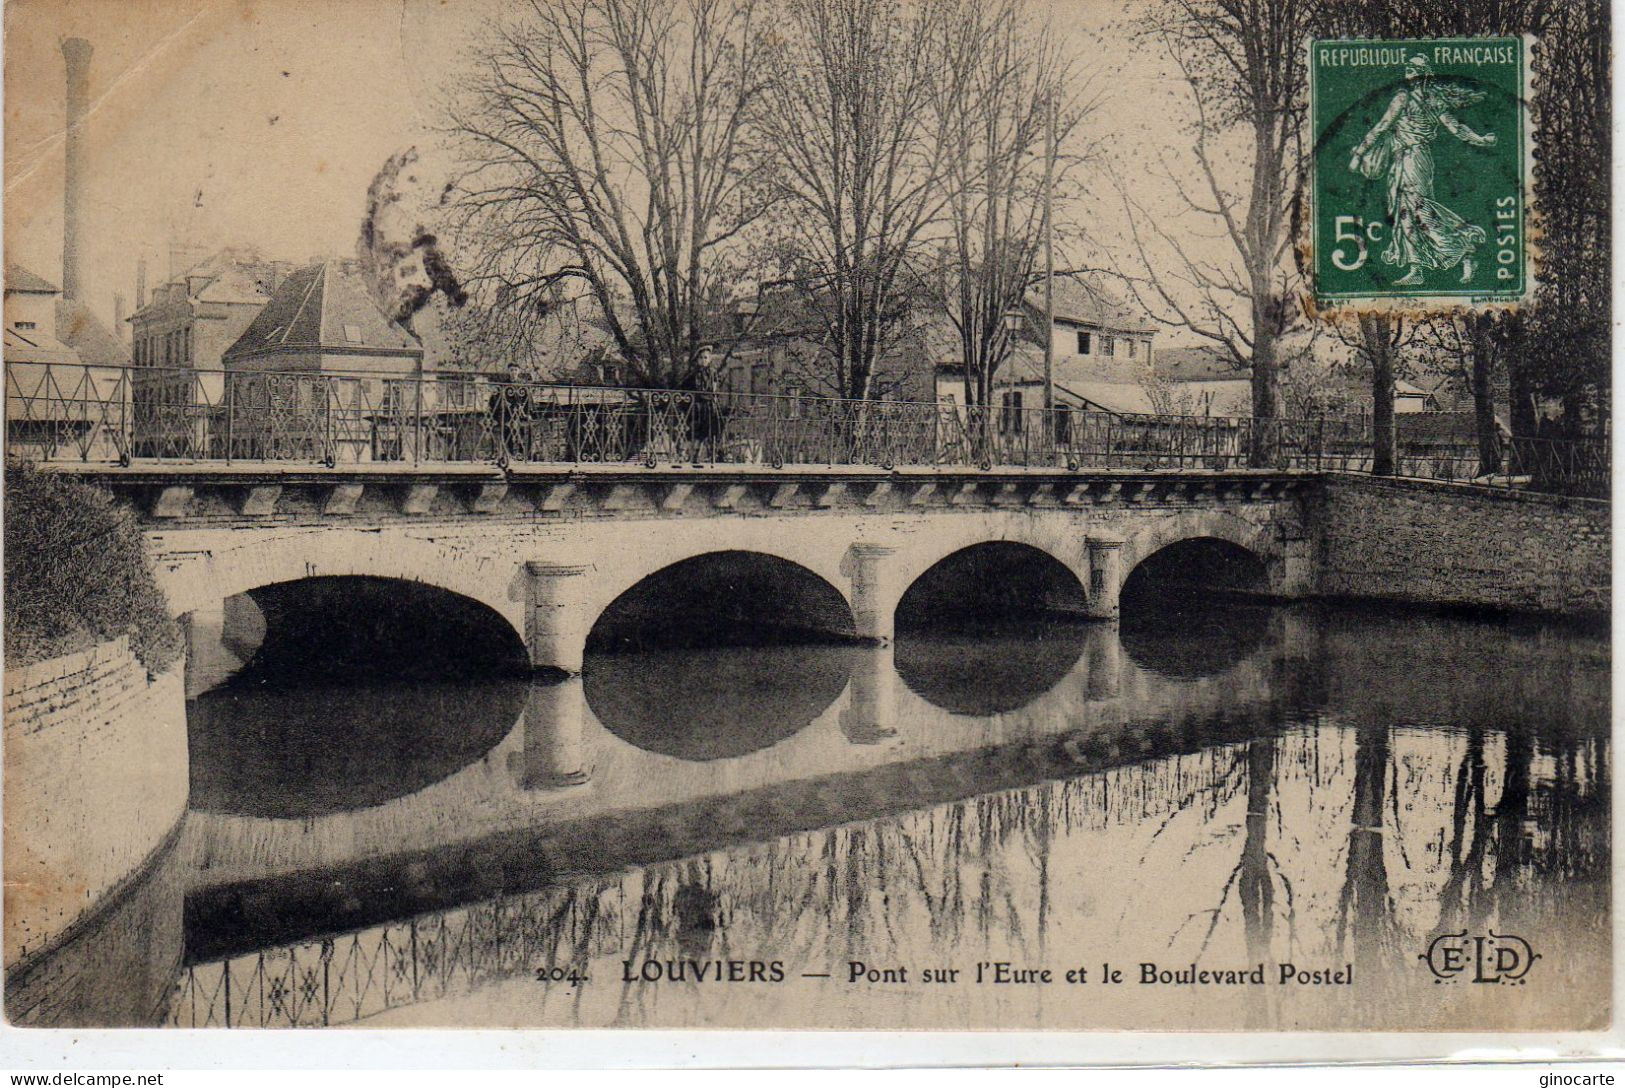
(511, 411)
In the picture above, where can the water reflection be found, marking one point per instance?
(1349, 786)
(300, 751)
(716, 702)
(1219, 859)
(555, 753)
(992, 668)
(1184, 636)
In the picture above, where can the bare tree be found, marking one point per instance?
(605, 144)
(1009, 114)
(1243, 64)
(854, 135)
(1472, 350)
(1380, 340)
(1565, 351)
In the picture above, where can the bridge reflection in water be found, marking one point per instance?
(1217, 784)
(1331, 792)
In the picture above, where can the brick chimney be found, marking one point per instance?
(76, 51)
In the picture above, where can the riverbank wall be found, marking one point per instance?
(96, 782)
(1432, 543)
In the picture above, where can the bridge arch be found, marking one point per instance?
(992, 577)
(193, 583)
(712, 597)
(1261, 542)
(1060, 543)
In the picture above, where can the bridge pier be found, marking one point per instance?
(870, 710)
(1105, 576)
(555, 621)
(1297, 566)
(1104, 664)
(555, 741)
(874, 597)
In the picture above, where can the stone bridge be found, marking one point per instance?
(549, 551)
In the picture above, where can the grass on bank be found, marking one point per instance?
(76, 575)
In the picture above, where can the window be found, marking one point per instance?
(352, 334)
(1133, 347)
(1107, 346)
(24, 325)
(1083, 342)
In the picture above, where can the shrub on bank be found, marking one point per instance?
(76, 574)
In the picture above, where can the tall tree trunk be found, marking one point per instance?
(1266, 392)
(1482, 338)
(1379, 348)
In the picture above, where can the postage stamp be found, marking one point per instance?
(619, 518)
(1421, 172)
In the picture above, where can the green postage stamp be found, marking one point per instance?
(1420, 172)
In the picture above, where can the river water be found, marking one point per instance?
(1320, 801)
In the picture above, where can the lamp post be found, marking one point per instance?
(1012, 320)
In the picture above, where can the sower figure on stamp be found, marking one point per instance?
(1425, 234)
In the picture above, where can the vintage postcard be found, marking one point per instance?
(937, 515)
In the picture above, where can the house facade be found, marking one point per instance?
(322, 370)
(65, 387)
(1102, 351)
(178, 340)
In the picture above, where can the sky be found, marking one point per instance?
(262, 122)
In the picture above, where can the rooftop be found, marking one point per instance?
(323, 306)
(21, 279)
(1082, 299)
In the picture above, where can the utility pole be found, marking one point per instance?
(1049, 253)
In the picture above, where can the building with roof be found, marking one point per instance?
(189, 322)
(1092, 323)
(179, 337)
(321, 371)
(1102, 355)
(30, 316)
(1201, 380)
(65, 388)
(322, 319)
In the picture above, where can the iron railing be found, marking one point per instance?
(547, 936)
(60, 412)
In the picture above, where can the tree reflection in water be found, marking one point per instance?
(1353, 787)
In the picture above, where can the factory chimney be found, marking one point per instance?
(76, 51)
(141, 283)
(121, 328)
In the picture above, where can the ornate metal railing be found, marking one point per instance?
(546, 936)
(58, 413)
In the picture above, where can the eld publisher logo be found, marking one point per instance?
(1493, 958)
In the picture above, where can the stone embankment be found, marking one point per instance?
(1450, 544)
(95, 782)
